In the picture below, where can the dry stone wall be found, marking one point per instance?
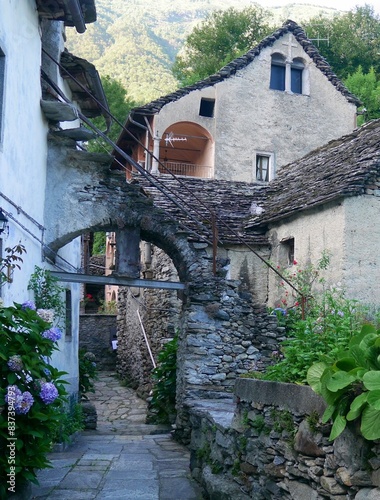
(159, 312)
(271, 444)
(95, 334)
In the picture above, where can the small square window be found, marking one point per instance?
(287, 252)
(207, 107)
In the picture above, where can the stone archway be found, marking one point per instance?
(222, 331)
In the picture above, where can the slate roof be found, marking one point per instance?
(343, 167)
(230, 201)
(241, 62)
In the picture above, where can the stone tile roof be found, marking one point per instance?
(243, 61)
(231, 203)
(344, 167)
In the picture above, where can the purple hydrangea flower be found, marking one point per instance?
(24, 403)
(52, 334)
(15, 363)
(21, 401)
(13, 392)
(49, 392)
(29, 304)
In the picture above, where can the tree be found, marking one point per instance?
(367, 88)
(119, 105)
(353, 40)
(223, 36)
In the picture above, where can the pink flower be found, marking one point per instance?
(294, 262)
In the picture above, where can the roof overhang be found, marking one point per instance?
(85, 81)
(75, 13)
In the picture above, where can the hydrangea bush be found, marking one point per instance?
(32, 394)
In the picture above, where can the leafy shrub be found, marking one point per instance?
(88, 372)
(350, 384)
(47, 291)
(71, 422)
(32, 394)
(162, 404)
(327, 329)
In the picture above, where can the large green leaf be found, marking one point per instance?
(328, 413)
(339, 380)
(357, 406)
(314, 375)
(346, 364)
(371, 380)
(368, 341)
(374, 399)
(370, 426)
(338, 427)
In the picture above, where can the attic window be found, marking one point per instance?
(207, 107)
(296, 71)
(277, 73)
(2, 85)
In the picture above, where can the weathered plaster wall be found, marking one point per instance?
(251, 117)
(23, 163)
(361, 267)
(271, 444)
(313, 233)
(341, 230)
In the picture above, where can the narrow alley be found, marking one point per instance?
(123, 459)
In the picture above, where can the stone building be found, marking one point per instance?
(229, 138)
(263, 110)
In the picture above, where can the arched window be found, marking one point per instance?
(277, 74)
(296, 72)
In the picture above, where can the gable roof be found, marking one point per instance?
(349, 166)
(241, 62)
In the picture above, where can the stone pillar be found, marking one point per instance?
(156, 154)
(128, 252)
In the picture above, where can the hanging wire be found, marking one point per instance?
(152, 178)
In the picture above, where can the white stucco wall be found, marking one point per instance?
(250, 117)
(23, 165)
(348, 232)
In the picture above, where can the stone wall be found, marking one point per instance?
(159, 313)
(270, 443)
(95, 334)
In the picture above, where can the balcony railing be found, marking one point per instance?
(187, 169)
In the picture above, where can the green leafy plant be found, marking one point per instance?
(32, 394)
(47, 291)
(327, 329)
(162, 404)
(109, 307)
(350, 385)
(72, 421)
(11, 261)
(88, 372)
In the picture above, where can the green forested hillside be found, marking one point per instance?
(136, 41)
